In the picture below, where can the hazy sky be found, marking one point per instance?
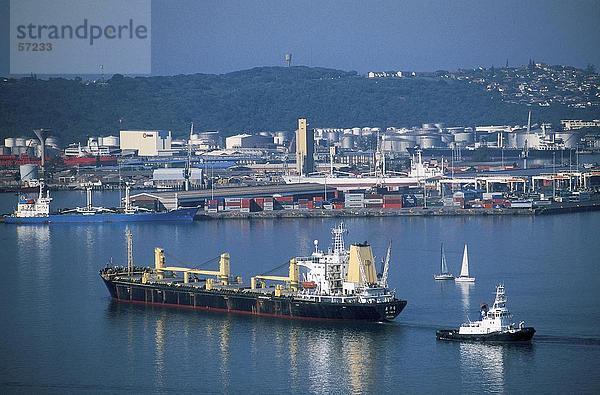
(219, 36)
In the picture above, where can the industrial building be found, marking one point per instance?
(248, 141)
(305, 148)
(146, 142)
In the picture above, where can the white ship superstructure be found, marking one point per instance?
(34, 208)
(343, 276)
(496, 319)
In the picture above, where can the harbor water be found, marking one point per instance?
(62, 333)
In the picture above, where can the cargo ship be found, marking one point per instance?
(495, 325)
(339, 284)
(37, 211)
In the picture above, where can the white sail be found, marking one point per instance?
(464, 269)
(444, 267)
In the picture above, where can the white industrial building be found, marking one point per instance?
(146, 142)
(248, 141)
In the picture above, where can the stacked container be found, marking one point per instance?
(392, 201)
(354, 200)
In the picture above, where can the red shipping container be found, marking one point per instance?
(392, 205)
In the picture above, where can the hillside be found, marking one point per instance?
(266, 98)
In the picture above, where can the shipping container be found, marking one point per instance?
(392, 205)
(521, 204)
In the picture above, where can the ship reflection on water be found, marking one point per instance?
(482, 366)
(465, 290)
(318, 355)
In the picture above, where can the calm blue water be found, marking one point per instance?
(61, 332)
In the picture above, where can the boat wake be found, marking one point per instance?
(572, 340)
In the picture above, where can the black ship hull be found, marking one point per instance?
(520, 335)
(247, 302)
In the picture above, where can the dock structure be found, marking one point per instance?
(172, 199)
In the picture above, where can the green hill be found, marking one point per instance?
(265, 98)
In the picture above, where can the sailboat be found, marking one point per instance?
(444, 275)
(464, 269)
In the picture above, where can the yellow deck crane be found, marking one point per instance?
(291, 279)
(222, 275)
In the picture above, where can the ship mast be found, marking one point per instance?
(338, 239)
(129, 251)
(188, 170)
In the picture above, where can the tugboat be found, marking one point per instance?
(493, 327)
(338, 284)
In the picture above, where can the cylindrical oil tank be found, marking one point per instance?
(570, 139)
(396, 145)
(28, 172)
(332, 136)
(410, 137)
(430, 141)
(447, 138)
(283, 135)
(348, 141)
(463, 137)
(510, 139)
(20, 142)
(51, 141)
(32, 142)
(366, 131)
(428, 126)
(18, 150)
(521, 138)
(9, 142)
(356, 131)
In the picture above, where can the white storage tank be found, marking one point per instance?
(429, 141)
(570, 139)
(9, 142)
(447, 138)
(348, 141)
(356, 131)
(463, 137)
(31, 142)
(51, 141)
(20, 142)
(16, 150)
(332, 136)
(396, 145)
